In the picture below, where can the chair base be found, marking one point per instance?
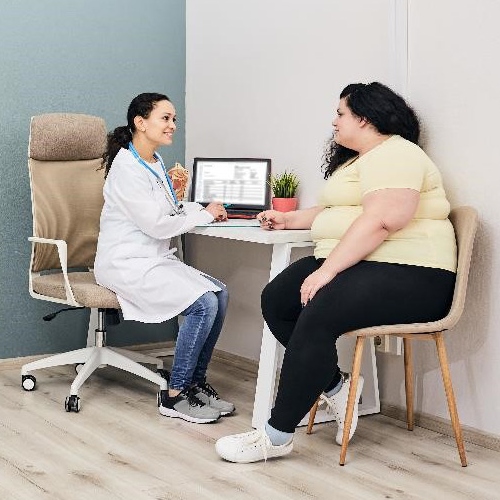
(94, 357)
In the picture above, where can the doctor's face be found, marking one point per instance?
(160, 126)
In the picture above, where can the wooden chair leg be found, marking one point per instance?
(351, 399)
(445, 372)
(408, 382)
(312, 416)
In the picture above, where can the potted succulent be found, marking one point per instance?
(284, 187)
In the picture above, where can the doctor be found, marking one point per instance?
(140, 215)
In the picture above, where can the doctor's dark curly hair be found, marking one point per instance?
(387, 111)
(141, 105)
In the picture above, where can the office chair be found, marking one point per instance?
(65, 153)
(465, 221)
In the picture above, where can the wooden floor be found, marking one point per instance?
(119, 447)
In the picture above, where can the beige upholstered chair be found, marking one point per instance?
(464, 220)
(65, 153)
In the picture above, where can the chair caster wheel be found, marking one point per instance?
(72, 403)
(28, 382)
(163, 374)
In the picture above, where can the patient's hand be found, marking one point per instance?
(271, 219)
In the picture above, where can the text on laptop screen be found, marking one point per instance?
(240, 182)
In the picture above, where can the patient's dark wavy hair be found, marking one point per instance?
(141, 105)
(387, 111)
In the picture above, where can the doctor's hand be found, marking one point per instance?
(217, 211)
(271, 219)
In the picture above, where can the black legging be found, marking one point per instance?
(366, 294)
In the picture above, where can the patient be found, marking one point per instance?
(385, 253)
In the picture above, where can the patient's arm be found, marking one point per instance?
(297, 219)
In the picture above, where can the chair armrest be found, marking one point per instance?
(62, 252)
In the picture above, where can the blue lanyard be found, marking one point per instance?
(132, 149)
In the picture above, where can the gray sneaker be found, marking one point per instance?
(208, 395)
(188, 406)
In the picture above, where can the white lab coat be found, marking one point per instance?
(134, 258)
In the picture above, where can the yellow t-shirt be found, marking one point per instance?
(428, 240)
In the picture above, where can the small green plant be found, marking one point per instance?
(284, 185)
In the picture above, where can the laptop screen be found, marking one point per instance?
(242, 183)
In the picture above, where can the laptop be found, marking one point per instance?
(240, 183)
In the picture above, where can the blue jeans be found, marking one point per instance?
(197, 337)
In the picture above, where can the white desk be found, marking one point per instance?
(271, 350)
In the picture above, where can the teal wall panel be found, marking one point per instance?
(83, 56)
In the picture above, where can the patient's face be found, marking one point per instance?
(160, 125)
(346, 126)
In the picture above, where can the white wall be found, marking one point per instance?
(454, 83)
(263, 78)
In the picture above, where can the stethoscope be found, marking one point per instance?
(177, 207)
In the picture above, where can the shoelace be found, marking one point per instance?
(331, 408)
(258, 438)
(207, 389)
(190, 395)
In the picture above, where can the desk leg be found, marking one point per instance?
(269, 350)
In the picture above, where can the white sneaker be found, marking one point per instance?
(249, 447)
(337, 405)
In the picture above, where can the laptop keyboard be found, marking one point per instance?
(242, 214)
